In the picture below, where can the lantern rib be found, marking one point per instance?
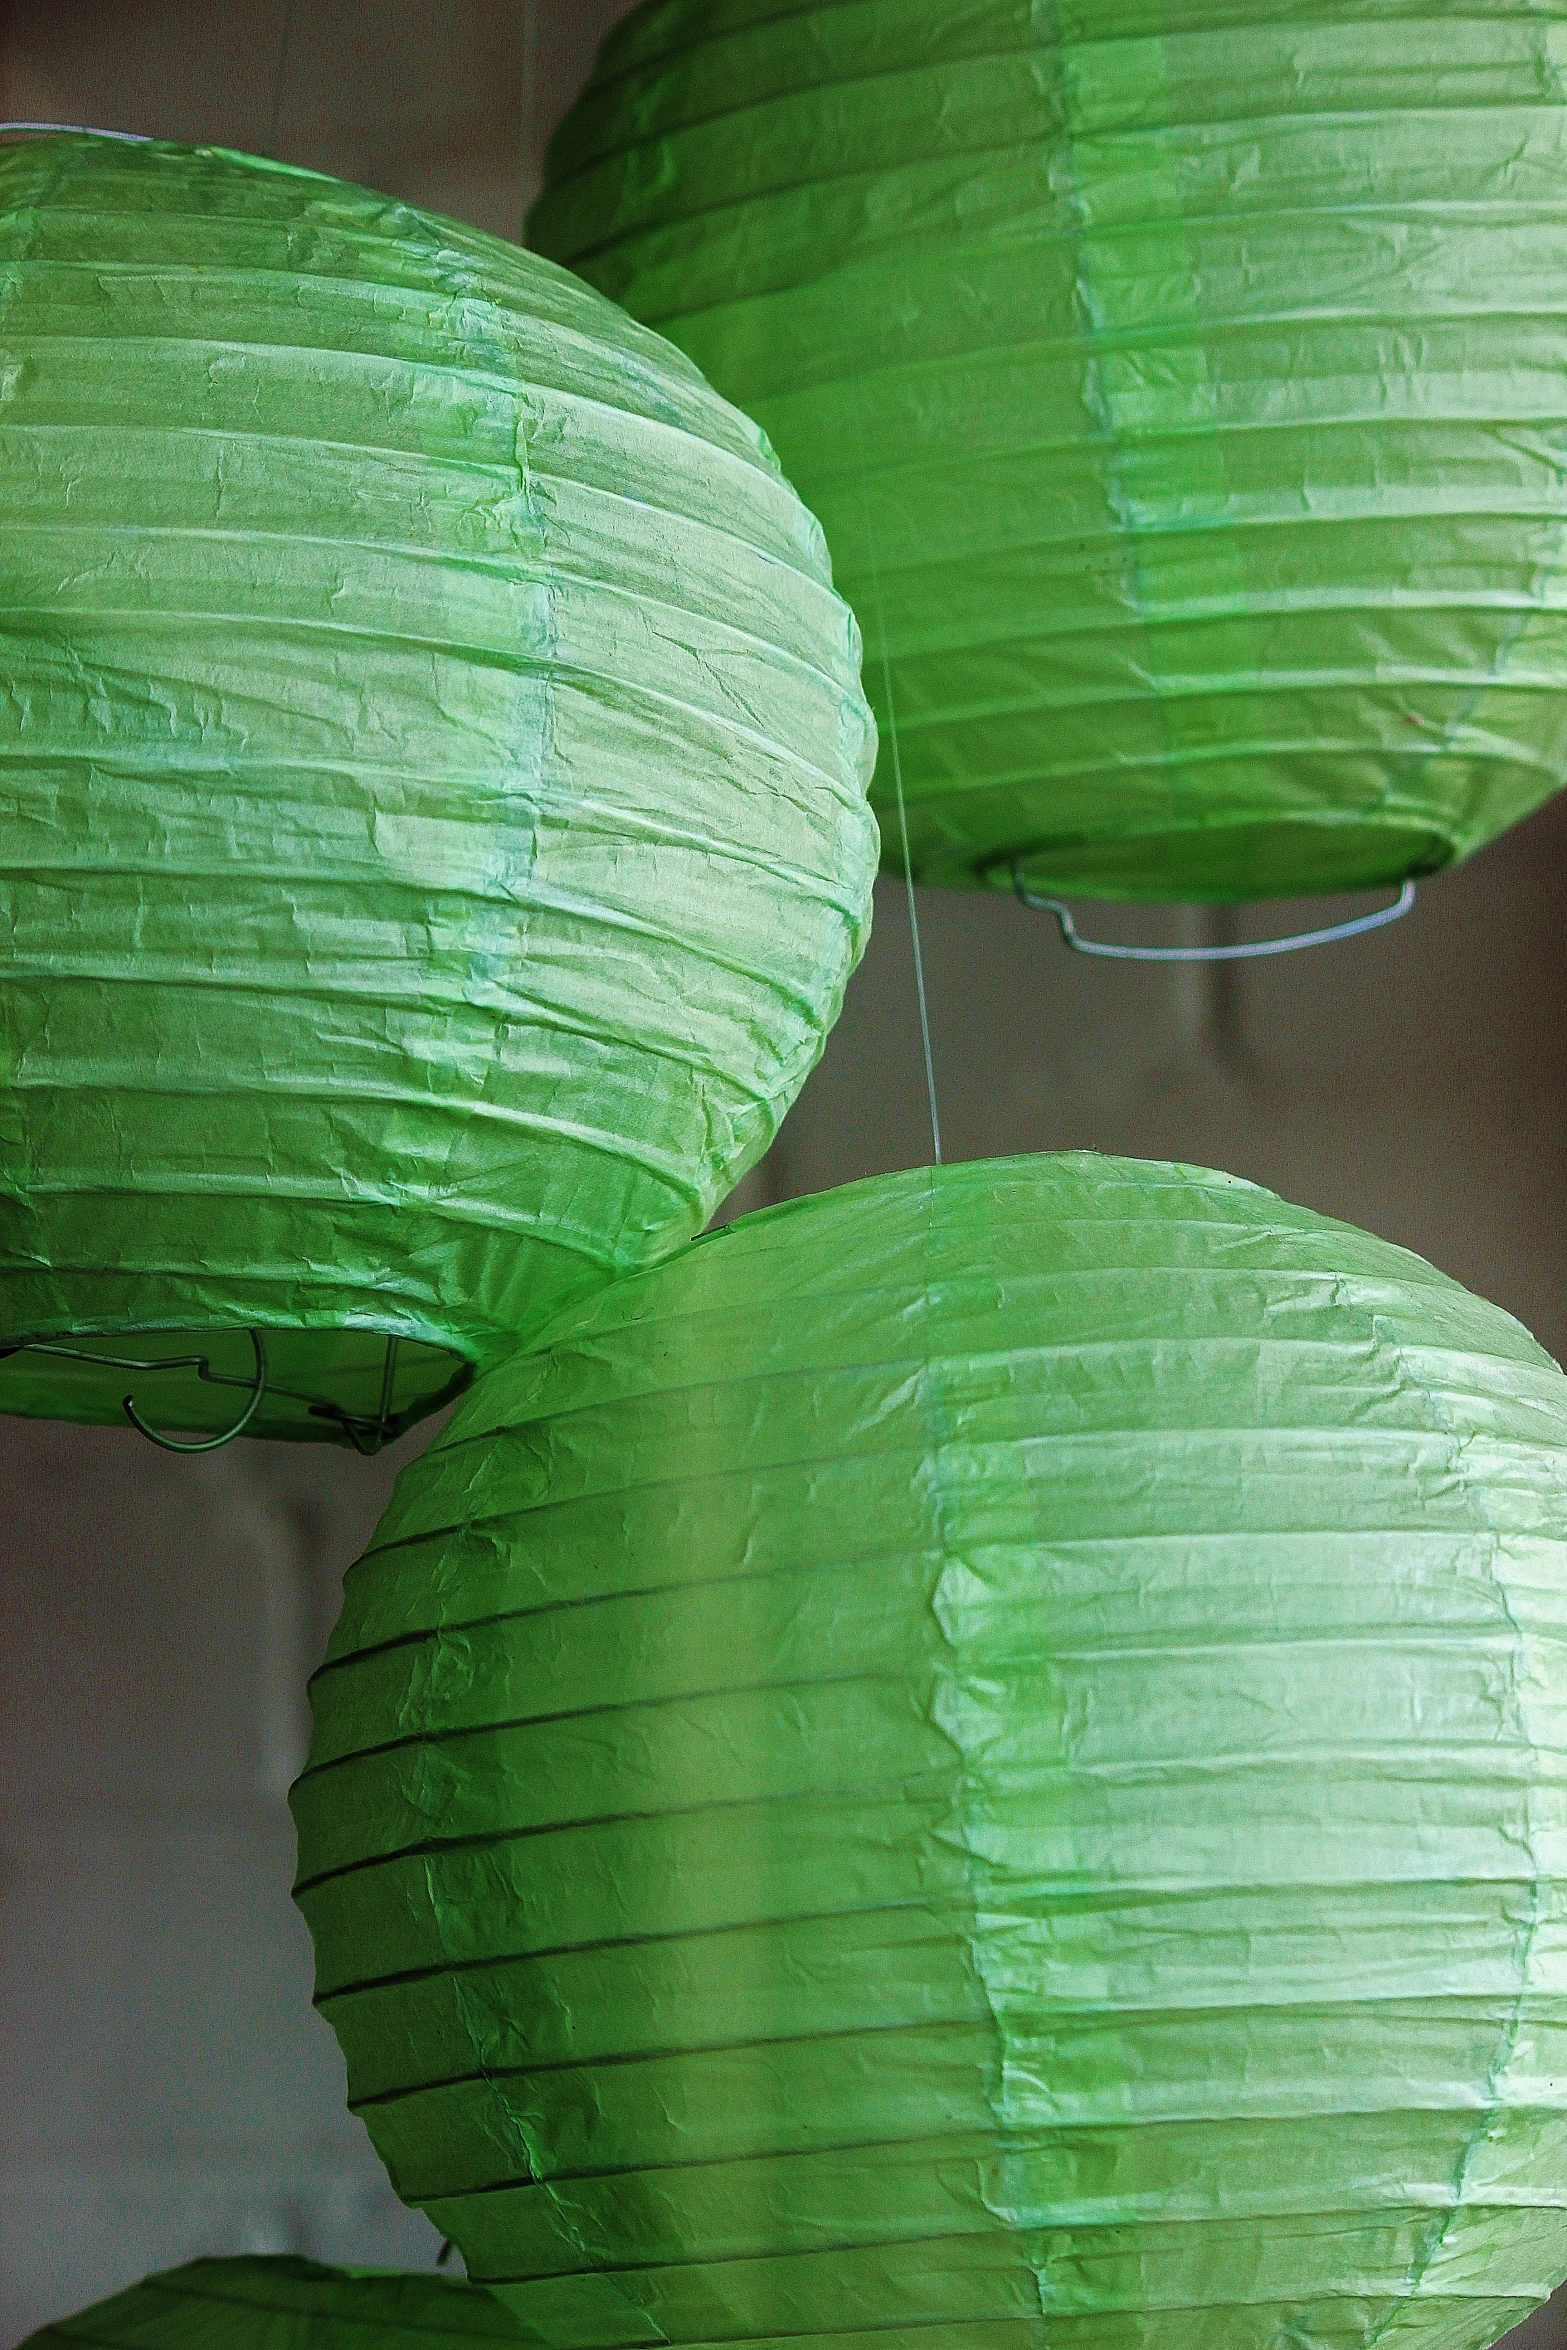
(782, 557)
(1408, 1441)
(1219, 687)
(447, 1202)
(455, 1733)
(1414, 754)
(731, 437)
(912, 2028)
(1158, 1893)
(1527, 422)
(1155, 1770)
(505, 1117)
(1198, 611)
(757, 478)
(478, 1840)
(574, 2177)
(681, 1051)
(693, 42)
(565, 676)
(1416, 1640)
(502, 1961)
(600, 1944)
(1022, 223)
(461, 800)
(1358, 511)
(501, 896)
(1064, 2011)
(450, 1200)
(543, 574)
(964, 2140)
(863, 2326)
(1078, 1440)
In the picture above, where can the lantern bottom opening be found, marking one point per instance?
(1215, 864)
(360, 1388)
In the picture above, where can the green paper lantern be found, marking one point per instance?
(1181, 389)
(433, 835)
(979, 1758)
(284, 2304)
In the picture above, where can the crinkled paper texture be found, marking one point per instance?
(433, 832)
(975, 1758)
(1183, 390)
(284, 2304)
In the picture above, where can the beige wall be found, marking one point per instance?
(166, 2088)
(447, 102)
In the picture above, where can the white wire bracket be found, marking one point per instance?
(1249, 951)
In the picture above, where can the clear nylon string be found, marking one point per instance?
(277, 87)
(897, 784)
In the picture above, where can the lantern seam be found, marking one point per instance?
(1501, 2060)
(947, 1683)
(546, 755)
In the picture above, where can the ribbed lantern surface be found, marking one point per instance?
(975, 1758)
(433, 835)
(1182, 385)
(283, 2304)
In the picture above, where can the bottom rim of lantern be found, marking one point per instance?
(1212, 864)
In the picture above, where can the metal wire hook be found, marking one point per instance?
(367, 1433)
(204, 1443)
(197, 1363)
(1247, 952)
(367, 1445)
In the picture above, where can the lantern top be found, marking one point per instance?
(1073, 1246)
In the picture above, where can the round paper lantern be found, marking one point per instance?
(1182, 388)
(984, 1754)
(433, 834)
(284, 2304)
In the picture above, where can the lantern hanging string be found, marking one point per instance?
(277, 85)
(897, 785)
